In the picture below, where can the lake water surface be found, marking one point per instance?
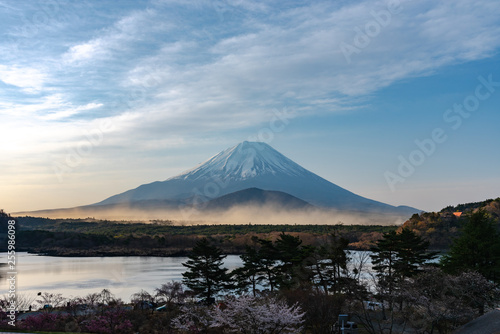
(122, 275)
(79, 276)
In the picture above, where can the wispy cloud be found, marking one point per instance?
(119, 40)
(48, 108)
(155, 58)
(69, 111)
(86, 51)
(29, 79)
(292, 56)
(174, 69)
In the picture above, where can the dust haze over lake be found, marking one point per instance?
(254, 214)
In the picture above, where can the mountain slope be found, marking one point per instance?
(253, 165)
(440, 228)
(258, 197)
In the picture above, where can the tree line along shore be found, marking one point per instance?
(105, 238)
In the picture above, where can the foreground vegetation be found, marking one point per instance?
(288, 286)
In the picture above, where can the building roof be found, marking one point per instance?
(488, 323)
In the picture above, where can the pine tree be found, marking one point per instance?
(477, 249)
(411, 253)
(251, 273)
(335, 263)
(384, 258)
(268, 256)
(398, 256)
(205, 275)
(291, 255)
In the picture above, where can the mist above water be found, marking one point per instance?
(241, 214)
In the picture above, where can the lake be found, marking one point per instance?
(122, 275)
(79, 276)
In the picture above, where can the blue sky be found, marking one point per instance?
(97, 97)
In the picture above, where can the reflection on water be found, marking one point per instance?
(123, 276)
(79, 276)
(3, 269)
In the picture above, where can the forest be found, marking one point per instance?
(91, 237)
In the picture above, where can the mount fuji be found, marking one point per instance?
(250, 165)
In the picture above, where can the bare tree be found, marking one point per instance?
(171, 292)
(49, 300)
(106, 297)
(358, 264)
(24, 301)
(142, 300)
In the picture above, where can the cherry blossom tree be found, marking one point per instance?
(442, 302)
(245, 314)
(111, 321)
(251, 315)
(193, 318)
(44, 321)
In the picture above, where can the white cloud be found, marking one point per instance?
(278, 57)
(293, 58)
(86, 51)
(69, 111)
(32, 107)
(118, 40)
(171, 70)
(30, 80)
(52, 107)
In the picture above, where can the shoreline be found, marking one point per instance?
(137, 253)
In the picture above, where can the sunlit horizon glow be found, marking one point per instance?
(100, 97)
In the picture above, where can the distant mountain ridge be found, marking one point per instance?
(259, 197)
(441, 227)
(492, 206)
(252, 165)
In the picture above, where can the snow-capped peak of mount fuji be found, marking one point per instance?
(251, 165)
(245, 161)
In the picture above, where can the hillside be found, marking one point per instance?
(259, 197)
(440, 228)
(492, 206)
